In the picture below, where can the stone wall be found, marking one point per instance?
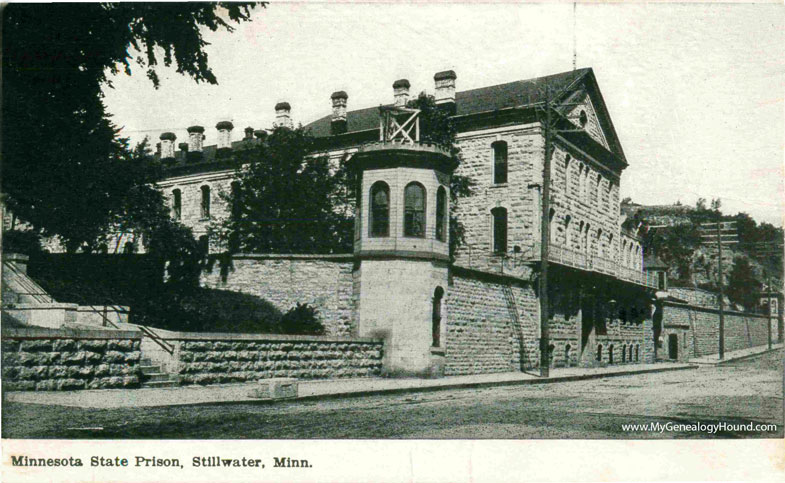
(224, 358)
(39, 359)
(482, 333)
(701, 326)
(323, 281)
(517, 196)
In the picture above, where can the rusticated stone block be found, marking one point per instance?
(130, 381)
(114, 356)
(120, 345)
(46, 385)
(70, 384)
(10, 346)
(72, 358)
(133, 356)
(36, 345)
(64, 345)
(93, 345)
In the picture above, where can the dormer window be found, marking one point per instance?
(583, 119)
(499, 162)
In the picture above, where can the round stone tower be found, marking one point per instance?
(402, 249)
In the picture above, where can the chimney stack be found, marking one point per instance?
(260, 134)
(401, 92)
(248, 133)
(445, 89)
(224, 134)
(183, 147)
(283, 116)
(195, 139)
(167, 145)
(338, 124)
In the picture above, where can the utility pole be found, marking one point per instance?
(724, 233)
(545, 232)
(761, 251)
(768, 303)
(722, 295)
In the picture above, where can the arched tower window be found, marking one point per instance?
(499, 230)
(567, 229)
(177, 204)
(551, 232)
(414, 210)
(205, 202)
(499, 162)
(599, 190)
(441, 214)
(599, 352)
(379, 212)
(567, 160)
(436, 317)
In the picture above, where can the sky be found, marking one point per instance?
(695, 91)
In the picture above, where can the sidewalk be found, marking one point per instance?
(735, 355)
(319, 389)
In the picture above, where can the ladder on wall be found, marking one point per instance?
(512, 308)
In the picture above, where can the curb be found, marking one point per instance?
(740, 358)
(471, 385)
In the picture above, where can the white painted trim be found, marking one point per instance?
(522, 128)
(196, 178)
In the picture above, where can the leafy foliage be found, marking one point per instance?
(286, 201)
(302, 319)
(65, 171)
(209, 310)
(743, 286)
(436, 126)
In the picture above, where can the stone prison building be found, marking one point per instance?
(478, 312)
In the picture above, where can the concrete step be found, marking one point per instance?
(146, 362)
(157, 377)
(168, 383)
(147, 369)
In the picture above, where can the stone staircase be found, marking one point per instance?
(153, 375)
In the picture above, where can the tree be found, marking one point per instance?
(64, 169)
(743, 286)
(436, 126)
(285, 200)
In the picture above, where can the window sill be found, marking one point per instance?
(499, 185)
(437, 351)
(204, 219)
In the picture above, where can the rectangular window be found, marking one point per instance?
(499, 230)
(499, 162)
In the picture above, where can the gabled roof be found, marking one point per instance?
(513, 94)
(519, 94)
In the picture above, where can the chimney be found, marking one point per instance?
(195, 139)
(183, 147)
(401, 92)
(283, 116)
(260, 134)
(167, 145)
(224, 134)
(445, 89)
(338, 124)
(248, 133)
